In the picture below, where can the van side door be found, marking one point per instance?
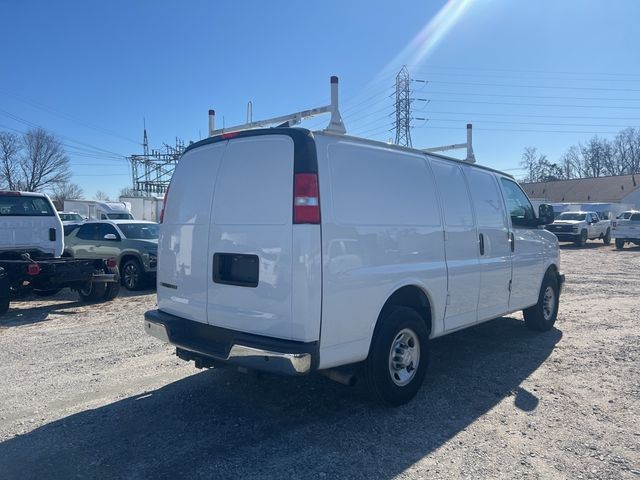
(493, 243)
(461, 246)
(526, 246)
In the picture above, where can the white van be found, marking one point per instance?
(290, 251)
(96, 210)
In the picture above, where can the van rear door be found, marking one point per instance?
(183, 268)
(250, 238)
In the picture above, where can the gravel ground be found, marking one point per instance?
(85, 394)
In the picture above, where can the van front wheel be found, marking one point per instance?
(398, 357)
(543, 314)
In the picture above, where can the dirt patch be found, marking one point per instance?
(85, 394)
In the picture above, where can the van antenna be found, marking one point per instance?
(336, 125)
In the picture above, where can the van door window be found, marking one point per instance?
(456, 204)
(519, 206)
(487, 199)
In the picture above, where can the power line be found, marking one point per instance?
(502, 85)
(526, 115)
(526, 71)
(557, 97)
(520, 130)
(69, 117)
(534, 104)
(532, 123)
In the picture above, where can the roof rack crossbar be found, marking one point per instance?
(336, 125)
(457, 146)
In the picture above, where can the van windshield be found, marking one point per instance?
(140, 231)
(572, 216)
(24, 206)
(119, 216)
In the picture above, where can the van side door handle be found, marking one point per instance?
(512, 241)
(481, 242)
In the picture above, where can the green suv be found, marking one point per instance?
(133, 242)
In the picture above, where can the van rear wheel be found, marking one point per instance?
(543, 314)
(399, 356)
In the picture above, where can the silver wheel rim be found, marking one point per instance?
(131, 275)
(404, 357)
(548, 303)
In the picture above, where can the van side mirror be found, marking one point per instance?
(545, 214)
(110, 236)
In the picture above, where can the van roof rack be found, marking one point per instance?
(456, 146)
(336, 124)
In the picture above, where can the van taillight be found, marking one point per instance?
(164, 204)
(306, 199)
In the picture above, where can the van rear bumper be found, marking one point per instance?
(199, 341)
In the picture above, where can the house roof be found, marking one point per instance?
(599, 189)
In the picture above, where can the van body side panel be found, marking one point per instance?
(461, 245)
(306, 283)
(183, 243)
(381, 230)
(251, 221)
(495, 257)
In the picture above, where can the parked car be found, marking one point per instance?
(70, 217)
(578, 227)
(31, 245)
(432, 245)
(627, 229)
(134, 243)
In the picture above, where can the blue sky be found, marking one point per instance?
(544, 73)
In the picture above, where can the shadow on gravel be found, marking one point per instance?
(222, 424)
(18, 317)
(587, 246)
(66, 302)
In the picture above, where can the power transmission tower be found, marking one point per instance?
(151, 172)
(403, 108)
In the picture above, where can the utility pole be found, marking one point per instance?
(403, 108)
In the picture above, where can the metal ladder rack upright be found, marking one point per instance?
(336, 125)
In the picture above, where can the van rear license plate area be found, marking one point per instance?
(236, 269)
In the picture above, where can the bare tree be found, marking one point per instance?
(529, 163)
(571, 162)
(44, 162)
(102, 196)
(9, 160)
(66, 191)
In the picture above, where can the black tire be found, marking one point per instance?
(582, 239)
(4, 292)
(543, 314)
(93, 292)
(133, 277)
(112, 289)
(383, 378)
(619, 243)
(607, 237)
(46, 293)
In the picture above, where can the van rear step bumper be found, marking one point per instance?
(201, 342)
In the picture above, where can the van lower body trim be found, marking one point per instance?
(258, 352)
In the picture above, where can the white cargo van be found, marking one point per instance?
(95, 210)
(290, 251)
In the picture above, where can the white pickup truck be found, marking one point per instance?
(578, 227)
(626, 228)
